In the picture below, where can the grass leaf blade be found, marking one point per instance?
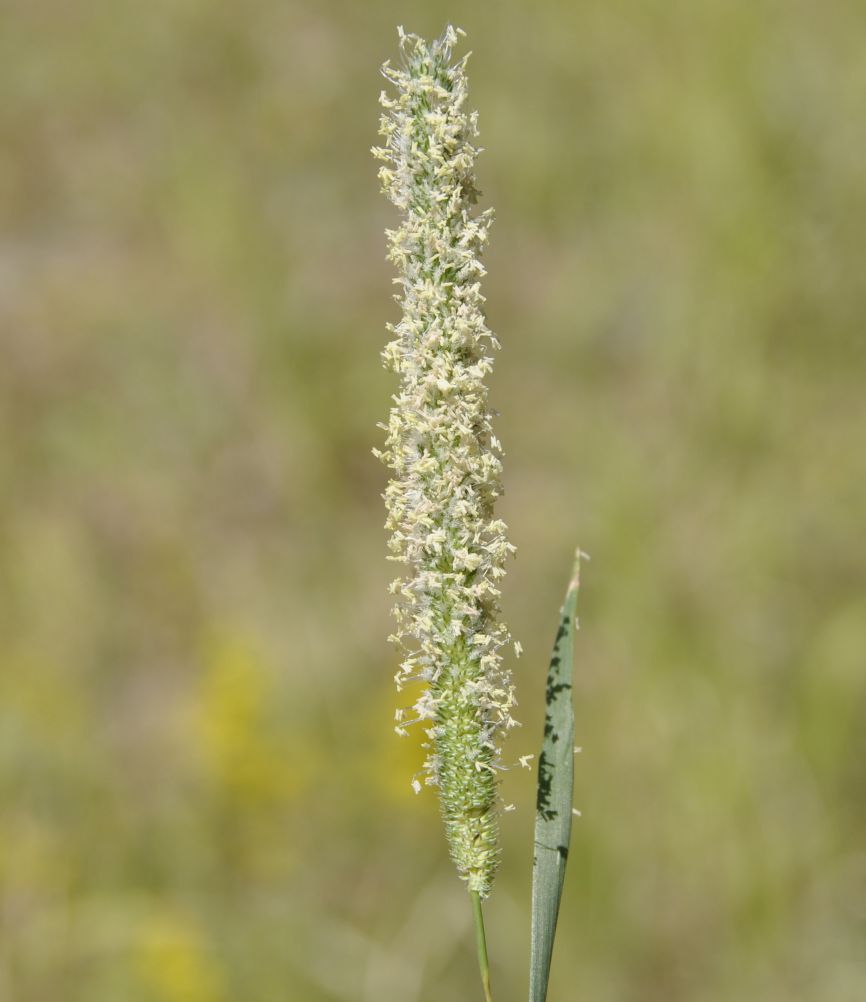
(554, 801)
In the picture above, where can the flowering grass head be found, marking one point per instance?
(445, 460)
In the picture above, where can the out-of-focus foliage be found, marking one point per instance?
(201, 799)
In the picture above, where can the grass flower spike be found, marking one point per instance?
(442, 452)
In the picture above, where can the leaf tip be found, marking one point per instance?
(579, 555)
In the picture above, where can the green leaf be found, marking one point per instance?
(554, 802)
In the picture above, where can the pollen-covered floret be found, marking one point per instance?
(441, 448)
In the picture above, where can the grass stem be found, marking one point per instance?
(481, 942)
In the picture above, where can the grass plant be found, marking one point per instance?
(446, 477)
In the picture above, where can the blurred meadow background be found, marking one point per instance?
(201, 796)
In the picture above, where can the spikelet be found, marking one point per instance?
(445, 459)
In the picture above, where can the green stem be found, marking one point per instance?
(481, 942)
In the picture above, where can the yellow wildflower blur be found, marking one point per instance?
(244, 743)
(174, 963)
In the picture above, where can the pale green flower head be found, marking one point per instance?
(441, 449)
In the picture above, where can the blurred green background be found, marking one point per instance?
(201, 797)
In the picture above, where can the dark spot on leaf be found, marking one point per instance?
(554, 689)
(545, 782)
